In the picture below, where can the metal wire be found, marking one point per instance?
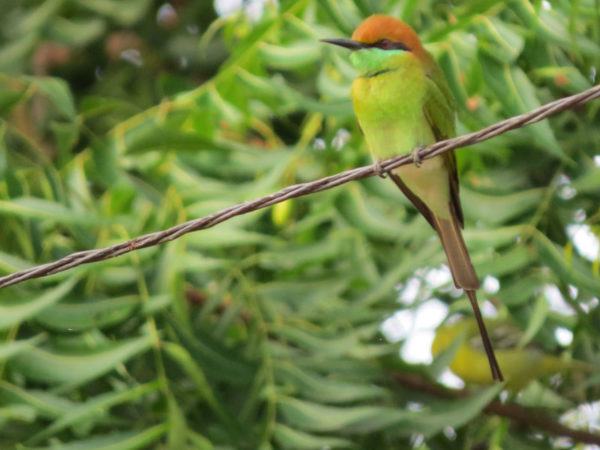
(298, 190)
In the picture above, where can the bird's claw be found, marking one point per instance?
(416, 156)
(378, 169)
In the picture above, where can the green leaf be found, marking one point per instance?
(66, 135)
(343, 13)
(19, 310)
(355, 207)
(589, 182)
(304, 295)
(58, 92)
(291, 257)
(45, 404)
(446, 356)
(454, 413)
(517, 95)
(521, 291)
(568, 78)
(17, 413)
(500, 209)
(311, 416)
(123, 13)
(290, 438)
(214, 358)
(8, 349)
(93, 409)
(497, 40)
(314, 387)
(571, 270)
(13, 53)
(77, 317)
(77, 32)
(536, 320)
(37, 208)
(9, 97)
(506, 262)
(126, 440)
(298, 55)
(329, 346)
(367, 419)
(177, 425)
(155, 138)
(36, 18)
(75, 368)
(196, 374)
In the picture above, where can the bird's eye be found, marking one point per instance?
(384, 44)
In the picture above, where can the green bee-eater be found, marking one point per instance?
(521, 365)
(402, 102)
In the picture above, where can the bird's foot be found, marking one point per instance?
(416, 156)
(378, 169)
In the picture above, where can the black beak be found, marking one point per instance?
(346, 43)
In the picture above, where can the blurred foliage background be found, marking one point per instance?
(122, 118)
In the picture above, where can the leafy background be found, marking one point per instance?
(122, 118)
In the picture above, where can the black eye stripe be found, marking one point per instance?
(386, 44)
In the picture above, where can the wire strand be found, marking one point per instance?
(298, 190)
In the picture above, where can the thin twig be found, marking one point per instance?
(517, 413)
(297, 190)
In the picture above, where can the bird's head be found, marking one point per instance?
(381, 42)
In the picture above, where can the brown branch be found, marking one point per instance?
(297, 190)
(525, 416)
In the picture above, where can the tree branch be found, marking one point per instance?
(525, 416)
(298, 190)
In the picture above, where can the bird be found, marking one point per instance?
(521, 364)
(402, 102)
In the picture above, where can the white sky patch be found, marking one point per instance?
(564, 188)
(438, 277)
(417, 328)
(567, 192)
(586, 416)
(563, 336)
(133, 56)
(414, 406)
(399, 326)
(586, 307)
(450, 433)
(341, 137)
(165, 13)
(546, 5)
(447, 378)
(596, 157)
(430, 314)
(417, 348)
(585, 241)
(416, 440)
(579, 215)
(573, 291)
(228, 7)
(557, 301)
(254, 9)
(319, 144)
(491, 284)
(488, 309)
(409, 292)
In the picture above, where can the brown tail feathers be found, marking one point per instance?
(465, 277)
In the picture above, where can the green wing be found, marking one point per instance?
(440, 108)
(440, 111)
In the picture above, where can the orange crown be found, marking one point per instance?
(379, 26)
